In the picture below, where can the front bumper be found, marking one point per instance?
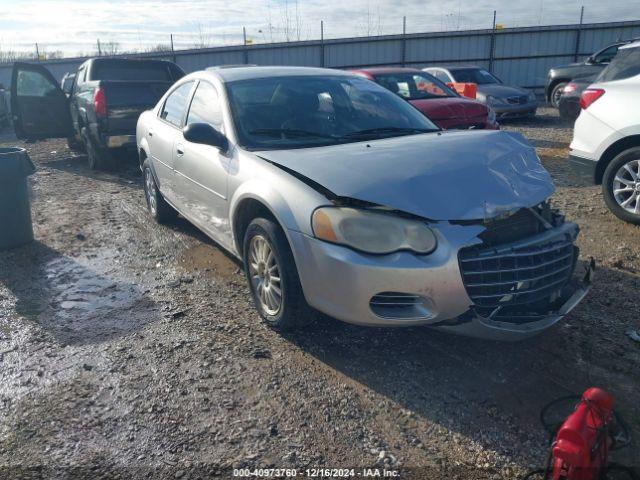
(342, 283)
(515, 111)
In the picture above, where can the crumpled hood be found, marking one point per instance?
(452, 175)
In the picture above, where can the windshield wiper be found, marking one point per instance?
(387, 130)
(290, 132)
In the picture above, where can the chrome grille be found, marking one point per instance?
(516, 276)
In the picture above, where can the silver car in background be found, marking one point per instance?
(508, 101)
(338, 195)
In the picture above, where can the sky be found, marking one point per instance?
(74, 26)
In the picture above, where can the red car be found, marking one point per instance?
(442, 105)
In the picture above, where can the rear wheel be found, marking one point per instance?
(76, 145)
(273, 277)
(99, 158)
(621, 185)
(158, 206)
(556, 93)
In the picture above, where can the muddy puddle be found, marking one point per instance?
(78, 300)
(210, 259)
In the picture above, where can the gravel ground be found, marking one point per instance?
(130, 350)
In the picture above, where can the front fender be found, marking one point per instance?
(289, 200)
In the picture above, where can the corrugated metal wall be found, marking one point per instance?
(521, 56)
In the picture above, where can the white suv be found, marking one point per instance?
(606, 139)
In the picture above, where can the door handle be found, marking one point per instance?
(180, 149)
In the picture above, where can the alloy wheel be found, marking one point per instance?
(626, 186)
(264, 272)
(150, 190)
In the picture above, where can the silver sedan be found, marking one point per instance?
(339, 196)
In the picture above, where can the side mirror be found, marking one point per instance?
(205, 134)
(591, 59)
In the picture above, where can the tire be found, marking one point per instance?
(292, 311)
(554, 98)
(158, 207)
(98, 158)
(75, 145)
(624, 204)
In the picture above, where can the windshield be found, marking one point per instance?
(308, 111)
(474, 75)
(626, 64)
(414, 86)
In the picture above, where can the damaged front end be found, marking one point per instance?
(522, 277)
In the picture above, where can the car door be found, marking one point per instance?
(202, 170)
(162, 135)
(39, 106)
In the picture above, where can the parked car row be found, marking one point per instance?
(96, 107)
(340, 194)
(559, 77)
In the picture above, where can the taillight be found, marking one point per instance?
(99, 102)
(569, 87)
(589, 96)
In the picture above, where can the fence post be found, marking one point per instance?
(173, 52)
(322, 43)
(404, 41)
(244, 42)
(578, 35)
(492, 44)
(37, 53)
(99, 48)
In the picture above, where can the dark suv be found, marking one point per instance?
(558, 77)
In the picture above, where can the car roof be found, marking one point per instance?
(233, 73)
(378, 70)
(453, 67)
(634, 44)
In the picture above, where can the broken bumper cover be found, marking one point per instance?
(475, 325)
(423, 290)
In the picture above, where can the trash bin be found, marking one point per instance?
(15, 209)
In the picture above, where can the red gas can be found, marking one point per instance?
(582, 443)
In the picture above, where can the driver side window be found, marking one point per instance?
(205, 106)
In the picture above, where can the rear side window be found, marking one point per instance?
(625, 65)
(440, 75)
(205, 106)
(175, 104)
(132, 71)
(606, 55)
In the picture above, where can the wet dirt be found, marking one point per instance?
(129, 349)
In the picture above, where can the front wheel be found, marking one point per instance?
(273, 277)
(621, 186)
(556, 93)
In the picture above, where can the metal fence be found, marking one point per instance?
(520, 56)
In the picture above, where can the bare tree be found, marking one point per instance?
(110, 48)
(203, 36)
